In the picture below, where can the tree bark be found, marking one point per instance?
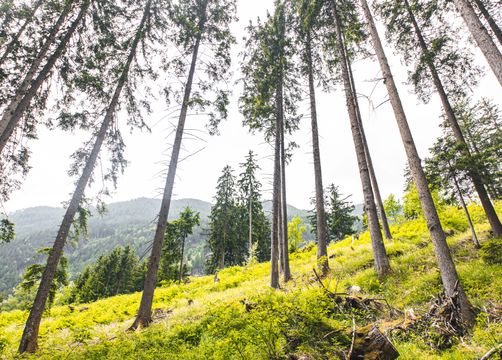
(280, 115)
(284, 205)
(250, 235)
(442, 252)
(181, 259)
(280, 232)
(322, 238)
(371, 169)
(481, 36)
(15, 40)
(144, 316)
(382, 265)
(29, 87)
(30, 333)
(274, 246)
(489, 19)
(457, 131)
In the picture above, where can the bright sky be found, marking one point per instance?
(48, 183)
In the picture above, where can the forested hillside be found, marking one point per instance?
(124, 223)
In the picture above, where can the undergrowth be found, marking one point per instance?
(242, 318)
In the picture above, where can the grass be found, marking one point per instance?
(204, 320)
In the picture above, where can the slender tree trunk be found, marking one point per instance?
(181, 260)
(274, 246)
(457, 131)
(481, 36)
(382, 265)
(489, 19)
(29, 87)
(144, 316)
(322, 234)
(467, 214)
(15, 40)
(280, 114)
(280, 232)
(444, 259)
(30, 334)
(371, 169)
(284, 207)
(250, 235)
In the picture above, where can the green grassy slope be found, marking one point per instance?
(204, 320)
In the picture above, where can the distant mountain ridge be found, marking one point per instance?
(125, 223)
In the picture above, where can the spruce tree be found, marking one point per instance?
(382, 265)
(225, 245)
(196, 24)
(172, 265)
(30, 334)
(433, 55)
(444, 259)
(257, 224)
(268, 103)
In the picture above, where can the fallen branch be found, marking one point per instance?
(492, 352)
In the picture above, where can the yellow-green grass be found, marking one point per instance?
(298, 319)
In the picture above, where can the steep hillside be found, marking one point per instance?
(125, 223)
(242, 318)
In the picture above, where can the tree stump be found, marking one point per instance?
(370, 344)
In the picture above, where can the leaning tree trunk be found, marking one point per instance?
(29, 86)
(457, 131)
(442, 252)
(489, 19)
(467, 214)
(15, 40)
(481, 36)
(322, 234)
(30, 334)
(144, 316)
(382, 265)
(371, 169)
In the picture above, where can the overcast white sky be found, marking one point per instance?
(48, 183)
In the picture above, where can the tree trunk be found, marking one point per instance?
(481, 36)
(144, 316)
(181, 259)
(250, 235)
(489, 19)
(442, 252)
(382, 265)
(284, 205)
(281, 119)
(467, 215)
(322, 238)
(274, 246)
(457, 131)
(15, 40)
(30, 334)
(29, 87)
(280, 232)
(371, 169)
